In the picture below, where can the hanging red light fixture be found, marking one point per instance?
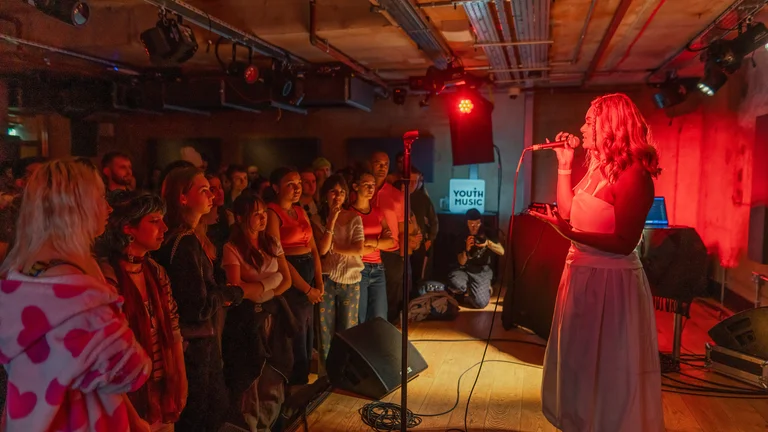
(466, 106)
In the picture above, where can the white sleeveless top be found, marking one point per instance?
(593, 215)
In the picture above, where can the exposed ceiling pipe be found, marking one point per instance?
(531, 22)
(743, 9)
(490, 69)
(506, 33)
(112, 66)
(618, 16)
(419, 28)
(515, 43)
(453, 3)
(223, 29)
(332, 51)
(479, 15)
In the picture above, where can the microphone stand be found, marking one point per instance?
(408, 140)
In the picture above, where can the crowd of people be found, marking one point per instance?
(199, 299)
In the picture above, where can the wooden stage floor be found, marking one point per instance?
(507, 396)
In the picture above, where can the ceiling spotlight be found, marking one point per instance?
(713, 80)
(169, 42)
(73, 12)
(673, 91)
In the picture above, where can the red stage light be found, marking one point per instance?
(251, 74)
(465, 106)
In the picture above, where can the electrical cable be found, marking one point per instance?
(386, 416)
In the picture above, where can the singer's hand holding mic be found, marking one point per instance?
(564, 152)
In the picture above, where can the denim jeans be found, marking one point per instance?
(303, 310)
(373, 293)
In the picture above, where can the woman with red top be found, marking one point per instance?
(135, 228)
(373, 286)
(289, 224)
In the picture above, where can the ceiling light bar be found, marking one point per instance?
(221, 28)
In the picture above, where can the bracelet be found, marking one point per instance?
(327, 231)
(564, 172)
(309, 291)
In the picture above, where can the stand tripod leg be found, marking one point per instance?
(677, 330)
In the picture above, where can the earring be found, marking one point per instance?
(131, 238)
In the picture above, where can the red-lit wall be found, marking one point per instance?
(706, 156)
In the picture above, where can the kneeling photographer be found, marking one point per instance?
(472, 280)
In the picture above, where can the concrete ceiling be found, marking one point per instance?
(650, 32)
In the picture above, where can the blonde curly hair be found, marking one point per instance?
(627, 139)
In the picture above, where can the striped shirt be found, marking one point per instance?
(345, 269)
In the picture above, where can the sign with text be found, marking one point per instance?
(466, 194)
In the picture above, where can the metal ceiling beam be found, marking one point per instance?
(112, 66)
(215, 25)
(419, 28)
(334, 52)
(618, 16)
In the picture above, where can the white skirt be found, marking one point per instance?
(601, 368)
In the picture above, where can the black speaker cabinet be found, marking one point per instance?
(746, 332)
(366, 359)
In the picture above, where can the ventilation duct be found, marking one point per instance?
(482, 22)
(531, 19)
(419, 29)
(506, 32)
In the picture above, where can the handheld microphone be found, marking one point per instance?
(551, 145)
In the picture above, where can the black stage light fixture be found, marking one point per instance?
(169, 42)
(673, 91)
(73, 12)
(714, 78)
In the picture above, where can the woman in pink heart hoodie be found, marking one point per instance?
(68, 350)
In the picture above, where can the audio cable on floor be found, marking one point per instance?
(385, 416)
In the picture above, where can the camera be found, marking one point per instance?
(513, 92)
(480, 239)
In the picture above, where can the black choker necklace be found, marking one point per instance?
(133, 259)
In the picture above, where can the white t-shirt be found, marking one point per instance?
(268, 275)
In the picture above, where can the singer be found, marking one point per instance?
(601, 367)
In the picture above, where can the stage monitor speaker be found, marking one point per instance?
(471, 129)
(366, 359)
(745, 332)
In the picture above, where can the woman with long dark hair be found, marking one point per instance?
(340, 243)
(601, 368)
(188, 256)
(289, 223)
(373, 285)
(134, 229)
(257, 349)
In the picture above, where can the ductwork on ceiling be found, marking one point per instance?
(531, 19)
(480, 18)
(418, 27)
